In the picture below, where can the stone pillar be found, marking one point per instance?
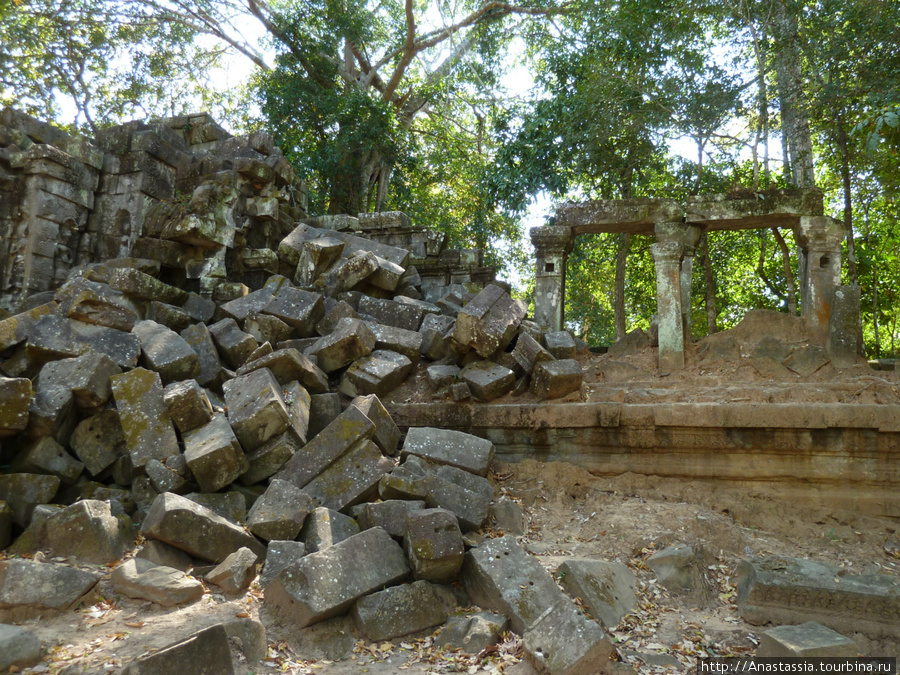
(667, 257)
(552, 245)
(820, 239)
(688, 236)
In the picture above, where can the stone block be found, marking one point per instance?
(783, 590)
(468, 496)
(350, 271)
(564, 642)
(233, 344)
(387, 435)
(99, 441)
(52, 412)
(378, 373)
(214, 455)
(137, 284)
(96, 304)
(19, 647)
(351, 478)
(164, 479)
(675, 567)
(399, 610)
(434, 545)
(390, 515)
(316, 256)
(807, 360)
(350, 340)
(508, 516)
(332, 442)
(326, 583)
(323, 410)
(553, 379)
(488, 322)
(391, 313)
(807, 640)
(434, 329)
(231, 505)
(488, 380)
(300, 309)
(22, 492)
(400, 340)
(200, 340)
(528, 352)
(241, 308)
(88, 532)
(280, 554)
(256, 408)
(45, 455)
(188, 405)
(196, 530)
(471, 633)
(387, 274)
(15, 329)
(288, 365)
(166, 352)
(399, 256)
(206, 652)
(447, 446)
(291, 247)
(86, 376)
(160, 553)
(268, 458)
(144, 580)
(235, 573)
(15, 401)
(42, 585)
(170, 316)
(144, 416)
(280, 512)
(55, 337)
(333, 315)
(326, 527)
(267, 328)
(842, 344)
(606, 588)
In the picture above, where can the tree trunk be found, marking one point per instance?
(843, 144)
(794, 109)
(789, 278)
(710, 286)
(619, 304)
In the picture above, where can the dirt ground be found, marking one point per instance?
(569, 513)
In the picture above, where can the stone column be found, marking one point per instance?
(552, 245)
(820, 239)
(667, 257)
(688, 236)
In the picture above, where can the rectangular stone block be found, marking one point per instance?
(15, 329)
(387, 435)
(149, 433)
(139, 285)
(234, 345)
(447, 446)
(15, 401)
(337, 438)
(400, 340)
(325, 527)
(350, 340)
(213, 454)
(351, 478)
(391, 313)
(554, 379)
(328, 582)
(299, 309)
(288, 365)
(256, 408)
(55, 337)
(489, 321)
(166, 352)
(268, 458)
(399, 610)
(378, 373)
(200, 340)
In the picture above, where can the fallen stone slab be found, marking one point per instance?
(387, 435)
(468, 496)
(42, 586)
(170, 316)
(15, 329)
(489, 321)
(471, 633)
(675, 567)
(563, 642)
(256, 408)
(434, 329)
(316, 256)
(326, 527)
(390, 515)
(137, 284)
(99, 441)
(379, 373)
(288, 365)
(351, 478)
(88, 532)
(160, 553)
(560, 344)
(188, 405)
(488, 380)
(22, 492)
(163, 478)
(280, 554)
(605, 588)
(406, 342)
(451, 447)
(441, 375)
(231, 505)
(270, 457)
(214, 455)
(326, 583)
(267, 328)
(399, 610)
(166, 352)
(200, 340)
(195, 529)
(508, 516)
(807, 640)
(350, 271)
(15, 401)
(19, 647)
(300, 309)
(234, 345)
(528, 352)
(206, 652)
(46, 456)
(392, 313)
(555, 379)
(235, 573)
(142, 579)
(280, 512)
(434, 545)
(52, 412)
(252, 303)
(337, 438)
(55, 337)
(146, 423)
(784, 590)
(350, 340)
(86, 376)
